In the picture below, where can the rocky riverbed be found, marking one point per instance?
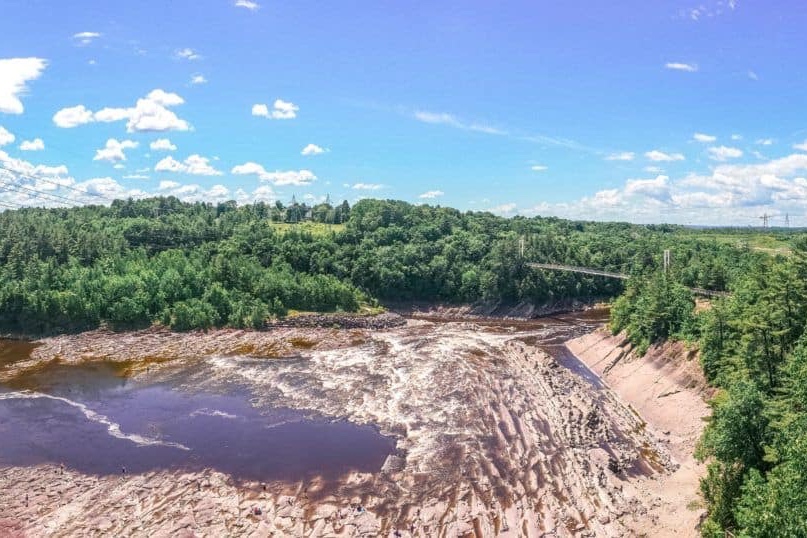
(494, 428)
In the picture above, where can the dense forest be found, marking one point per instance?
(199, 265)
(754, 349)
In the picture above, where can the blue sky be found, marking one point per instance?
(689, 112)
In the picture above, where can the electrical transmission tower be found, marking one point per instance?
(666, 260)
(787, 220)
(765, 218)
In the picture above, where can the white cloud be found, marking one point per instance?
(67, 118)
(653, 188)
(723, 153)
(736, 137)
(538, 168)
(367, 186)
(312, 149)
(162, 144)
(622, 156)
(801, 147)
(194, 165)
(187, 54)
(198, 79)
(282, 110)
(765, 141)
(85, 38)
(113, 151)
(678, 66)
(136, 176)
(165, 185)
(14, 73)
(447, 119)
(429, 195)
(37, 144)
(660, 156)
(290, 177)
(653, 169)
(248, 4)
(150, 114)
(700, 137)
(6, 137)
(752, 75)
(503, 209)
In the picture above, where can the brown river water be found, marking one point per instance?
(95, 419)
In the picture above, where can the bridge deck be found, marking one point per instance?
(609, 274)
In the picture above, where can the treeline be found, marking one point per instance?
(754, 348)
(201, 265)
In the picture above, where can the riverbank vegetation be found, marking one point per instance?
(754, 349)
(202, 265)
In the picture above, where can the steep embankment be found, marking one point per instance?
(667, 389)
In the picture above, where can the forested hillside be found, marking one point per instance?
(754, 348)
(201, 265)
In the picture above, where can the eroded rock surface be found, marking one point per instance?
(494, 437)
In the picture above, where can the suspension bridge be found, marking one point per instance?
(609, 274)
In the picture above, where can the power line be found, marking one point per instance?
(56, 183)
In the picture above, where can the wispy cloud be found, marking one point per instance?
(367, 186)
(247, 4)
(659, 156)
(621, 156)
(443, 118)
(679, 66)
(85, 38)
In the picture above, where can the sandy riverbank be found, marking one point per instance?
(493, 437)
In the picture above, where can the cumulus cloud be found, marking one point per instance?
(67, 118)
(660, 156)
(198, 79)
(113, 150)
(765, 141)
(700, 137)
(724, 153)
(622, 156)
(37, 144)
(162, 144)
(150, 114)
(428, 195)
(14, 74)
(680, 66)
(6, 137)
(282, 110)
(195, 165)
(279, 178)
(367, 186)
(247, 4)
(312, 149)
(657, 188)
(801, 147)
(187, 54)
